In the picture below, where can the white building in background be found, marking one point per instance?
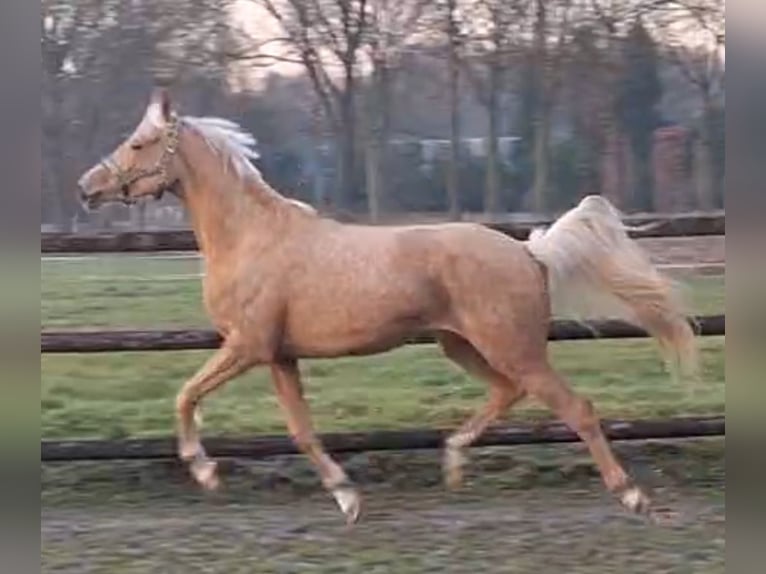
(475, 148)
(433, 150)
(319, 161)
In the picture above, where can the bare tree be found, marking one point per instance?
(326, 37)
(454, 45)
(392, 24)
(551, 29)
(447, 21)
(493, 29)
(99, 59)
(589, 101)
(607, 19)
(60, 24)
(694, 34)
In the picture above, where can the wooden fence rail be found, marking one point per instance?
(264, 446)
(675, 225)
(196, 339)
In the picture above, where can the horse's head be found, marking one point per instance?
(143, 165)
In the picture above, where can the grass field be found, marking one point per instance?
(131, 394)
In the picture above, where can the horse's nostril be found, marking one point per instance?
(86, 197)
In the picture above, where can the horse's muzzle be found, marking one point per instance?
(92, 200)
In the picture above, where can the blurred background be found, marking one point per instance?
(381, 109)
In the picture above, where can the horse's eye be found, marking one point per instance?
(136, 146)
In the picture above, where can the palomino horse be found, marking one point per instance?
(283, 283)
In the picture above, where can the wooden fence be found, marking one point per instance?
(190, 339)
(676, 225)
(264, 446)
(197, 339)
(256, 447)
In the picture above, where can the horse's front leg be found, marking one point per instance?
(287, 384)
(228, 362)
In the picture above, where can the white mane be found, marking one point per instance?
(235, 146)
(229, 140)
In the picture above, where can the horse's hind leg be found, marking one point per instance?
(287, 383)
(578, 413)
(503, 393)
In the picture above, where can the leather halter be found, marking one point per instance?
(127, 177)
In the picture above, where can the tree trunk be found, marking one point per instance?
(492, 190)
(346, 133)
(337, 191)
(541, 157)
(384, 134)
(542, 112)
(372, 150)
(453, 168)
(347, 155)
(642, 180)
(377, 138)
(345, 159)
(704, 169)
(453, 173)
(372, 175)
(318, 184)
(54, 196)
(60, 196)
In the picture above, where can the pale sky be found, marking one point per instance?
(258, 23)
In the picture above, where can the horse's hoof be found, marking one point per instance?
(634, 499)
(454, 461)
(454, 479)
(205, 474)
(211, 483)
(350, 503)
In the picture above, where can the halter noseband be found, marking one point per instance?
(126, 178)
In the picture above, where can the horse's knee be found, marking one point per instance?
(584, 416)
(185, 403)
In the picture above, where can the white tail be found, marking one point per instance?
(596, 270)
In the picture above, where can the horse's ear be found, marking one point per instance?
(160, 107)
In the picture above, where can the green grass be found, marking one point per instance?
(128, 291)
(119, 291)
(132, 394)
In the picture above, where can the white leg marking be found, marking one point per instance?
(454, 459)
(634, 499)
(204, 471)
(349, 502)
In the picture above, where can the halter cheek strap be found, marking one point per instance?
(126, 178)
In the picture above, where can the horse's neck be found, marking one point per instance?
(227, 210)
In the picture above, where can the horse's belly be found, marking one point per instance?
(341, 347)
(345, 333)
(364, 305)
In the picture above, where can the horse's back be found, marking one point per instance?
(359, 288)
(446, 251)
(489, 279)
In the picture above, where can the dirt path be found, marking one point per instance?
(686, 250)
(545, 530)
